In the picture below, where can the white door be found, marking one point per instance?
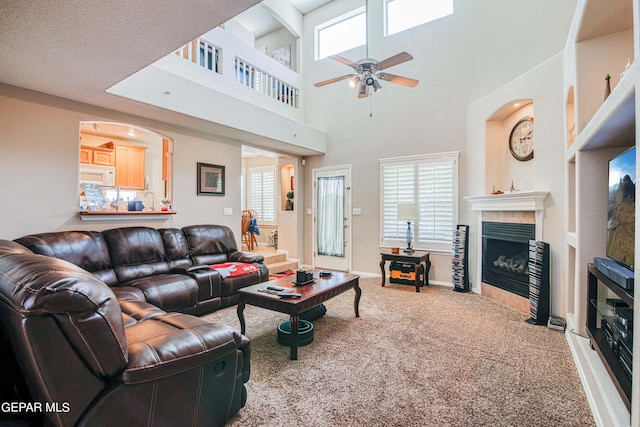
(332, 218)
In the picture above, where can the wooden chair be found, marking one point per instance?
(248, 238)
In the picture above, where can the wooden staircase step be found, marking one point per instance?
(280, 266)
(270, 258)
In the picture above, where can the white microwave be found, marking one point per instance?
(98, 174)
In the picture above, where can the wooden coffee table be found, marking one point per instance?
(321, 290)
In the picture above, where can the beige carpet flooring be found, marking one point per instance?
(434, 358)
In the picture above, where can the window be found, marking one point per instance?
(404, 14)
(431, 181)
(341, 34)
(262, 193)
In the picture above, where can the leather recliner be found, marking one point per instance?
(106, 362)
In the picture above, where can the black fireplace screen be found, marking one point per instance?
(505, 255)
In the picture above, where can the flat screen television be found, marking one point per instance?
(621, 214)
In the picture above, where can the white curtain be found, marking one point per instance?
(331, 216)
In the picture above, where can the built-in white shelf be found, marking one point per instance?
(601, 38)
(613, 125)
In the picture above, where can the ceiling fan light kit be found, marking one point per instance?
(368, 70)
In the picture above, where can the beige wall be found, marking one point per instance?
(39, 164)
(458, 59)
(543, 85)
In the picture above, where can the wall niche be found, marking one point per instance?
(503, 172)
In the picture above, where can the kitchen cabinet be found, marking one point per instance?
(130, 165)
(97, 155)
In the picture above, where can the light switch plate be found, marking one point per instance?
(228, 211)
(357, 211)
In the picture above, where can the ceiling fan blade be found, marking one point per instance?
(336, 79)
(394, 60)
(404, 81)
(344, 61)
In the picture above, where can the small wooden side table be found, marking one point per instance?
(416, 258)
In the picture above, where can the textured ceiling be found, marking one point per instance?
(76, 49)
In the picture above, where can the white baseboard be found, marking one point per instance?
(607, 406)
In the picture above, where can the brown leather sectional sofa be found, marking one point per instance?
(169, 268)
(100, 328)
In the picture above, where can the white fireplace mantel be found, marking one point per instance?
(519, 201)
(516, 201)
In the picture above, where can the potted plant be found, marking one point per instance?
(289, 205)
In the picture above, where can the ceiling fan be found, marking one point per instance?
(368, 71)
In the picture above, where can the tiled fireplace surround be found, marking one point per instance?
(524, 207)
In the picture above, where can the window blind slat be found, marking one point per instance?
(431, 183)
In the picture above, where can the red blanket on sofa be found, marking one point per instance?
(233, 269)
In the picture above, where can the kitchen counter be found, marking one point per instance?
(122, 215)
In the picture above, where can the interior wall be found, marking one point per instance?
(592, 59)
(277, 39)
(458, 60)
(39, 167)
(543, 85)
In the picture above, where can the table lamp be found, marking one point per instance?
(409, 212)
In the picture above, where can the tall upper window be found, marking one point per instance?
(431, 181)
(404, 14)
(262, 193)
(341, 34)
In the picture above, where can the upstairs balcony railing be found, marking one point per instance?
(250, 76)
(209, 56)
(201, 52)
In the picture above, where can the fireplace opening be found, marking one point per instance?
(505, 256)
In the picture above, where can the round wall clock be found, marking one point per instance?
(521, 140)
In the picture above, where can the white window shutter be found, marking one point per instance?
(432, 182)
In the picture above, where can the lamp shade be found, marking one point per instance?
(409, 211)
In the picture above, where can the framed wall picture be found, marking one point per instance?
(283, 55)
(210, 179)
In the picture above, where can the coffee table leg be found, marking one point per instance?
(417, 277)
(240, 311)
(356, 300)
(382, 269)
(294, 323)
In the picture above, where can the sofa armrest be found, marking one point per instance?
(128, 293)
(248, 257)
(140, 311)
(171, 343)
(191, 269)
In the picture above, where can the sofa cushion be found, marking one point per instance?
(86, 249)
(170, 292)
(136, 252)
(171, 343)
(210, 244)
(176, 247)
(8, 247)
